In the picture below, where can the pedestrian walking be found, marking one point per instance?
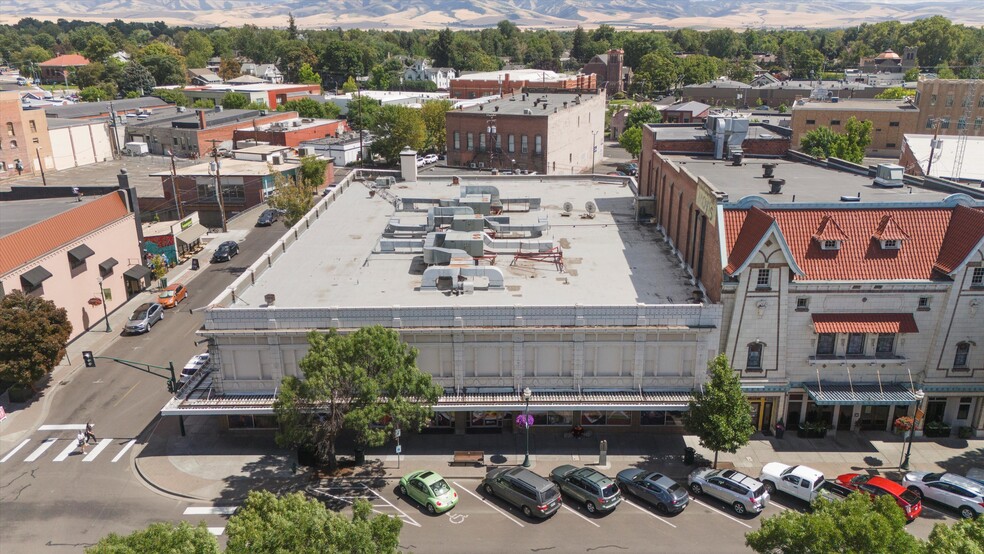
(89, 434)
(81, 440)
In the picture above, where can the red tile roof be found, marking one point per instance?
(965, 232)
(829, 230)
(864, 323)
(859, 258)
(19, 248)
(66, 60)
(756, 224)
(889, 229)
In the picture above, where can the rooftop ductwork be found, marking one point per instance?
(460, 276)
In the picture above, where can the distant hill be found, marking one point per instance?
(463, 14)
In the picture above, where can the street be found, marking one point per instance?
(55, 496)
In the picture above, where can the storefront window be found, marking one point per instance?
(593, 418)
(442, 419)
(252, 422)
(618, 417)
(660, 417)
(963, 409)
(565, 419)
(485, 419)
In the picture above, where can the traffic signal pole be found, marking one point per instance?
(172, 383)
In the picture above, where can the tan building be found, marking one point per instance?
(24, 143)
(953, 103)
(890, 119)
(555, 134)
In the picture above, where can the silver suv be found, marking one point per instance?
(595, 489)
(522, 488)
(962, 494)
(744, 493)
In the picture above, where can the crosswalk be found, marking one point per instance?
(33, 450)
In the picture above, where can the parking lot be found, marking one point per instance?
(487, 524)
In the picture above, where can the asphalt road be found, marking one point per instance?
(56, 499)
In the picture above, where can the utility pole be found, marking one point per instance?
(44, 180)
(492, 140)
(174, 188)
(214, 167)
(933, 143)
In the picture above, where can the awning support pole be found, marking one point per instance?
(850, 383)
(819, 386)
(880, 388)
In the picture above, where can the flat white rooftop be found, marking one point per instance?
(610, 259)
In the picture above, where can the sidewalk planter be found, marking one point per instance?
(812, 431)
(19, 394)
(965, 432)
(936, 429)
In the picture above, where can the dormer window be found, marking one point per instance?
(830, 245)
(891, 244)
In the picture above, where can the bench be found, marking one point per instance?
(476, 457)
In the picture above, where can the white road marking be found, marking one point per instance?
(40, 450)
(210, 510)
(73, 445)
(579, 514)
(487, 503)
(217, 531)
(68, 427)
(14, 451)
(645, 511)
(720, 513)
(97, 450)
(117, 457)
(403, 515)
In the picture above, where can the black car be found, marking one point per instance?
(268, 218)
(226, 251)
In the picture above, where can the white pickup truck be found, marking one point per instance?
(801, 482)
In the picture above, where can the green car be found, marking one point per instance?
(430, 490)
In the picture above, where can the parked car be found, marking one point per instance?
(194, 365)
(958, 492)
(268, 218)
(876, 486)
(531, 493)
(420, 161)
(976, 473)
(801, 482)
(665, 494)
(595, 489)
(144, 317)
(226, 251)
(172, 295)
(744, 493)
(628, 168)
(430, 159)
(430, 490)
(21, 81)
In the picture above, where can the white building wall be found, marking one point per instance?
(80, 145)
(572, 134)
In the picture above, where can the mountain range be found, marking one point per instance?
(464, 14)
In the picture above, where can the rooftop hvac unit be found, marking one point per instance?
(276, 159)
(306, 151)
(472, 165)
(297, 123)
(527, 111)
(481, 165)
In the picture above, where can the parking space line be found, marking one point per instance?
(487, 503)
(14, 451)
(579, 514)
(720, 513)
(406, 518)
(645, 511)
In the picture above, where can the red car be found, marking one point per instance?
(877, 486)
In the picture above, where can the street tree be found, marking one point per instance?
(33, 335)
(641, 114)
(136, 78)
(99, 48)
(292, 197)
(852, 143)
(229, 68)
(173, 96)
(910, 75)
(350, 86)
(855, 524)
(98, 92)
(366, 382)
(234, 101)
(631, 140)
(397, 127)
(719, 413)
(292, 523)
(362, 112)
(307, 76)
(965, 536)
(895, 93)
(658, 71)
(818, 142)
(434, 114)
(160, 537)
(698, 69)
(306, 107)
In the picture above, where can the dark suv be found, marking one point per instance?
(226, 251)
(595, 489)
(534, 495)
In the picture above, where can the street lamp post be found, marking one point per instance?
(594, 148)
(908, 450)
(102, 294)
(527, 394)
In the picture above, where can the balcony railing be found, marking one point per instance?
(893, 359)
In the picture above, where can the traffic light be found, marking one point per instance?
(170, 386)
(88, 358)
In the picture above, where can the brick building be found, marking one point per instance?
(59, 69)
(291, 132)
(685, 112)
(950, 160)
(489, 83)
(24, 142)
(271, 94)
(546, 133)
(610, 71)
(190, 132)
(891, 119)
(890, 62)
(952, 105)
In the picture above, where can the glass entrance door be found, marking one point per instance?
(874, 418)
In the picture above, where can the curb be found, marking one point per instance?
(157, 489)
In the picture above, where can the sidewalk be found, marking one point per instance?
(222, 467)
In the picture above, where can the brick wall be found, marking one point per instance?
(291, 137)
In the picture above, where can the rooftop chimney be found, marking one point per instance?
(201, 119)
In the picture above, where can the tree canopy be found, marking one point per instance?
(160, 537)
(719, 413)
(366, 382)
(395, 128)
(631, 140)
(849, 145)
(33, 335)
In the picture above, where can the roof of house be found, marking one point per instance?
(245, 80)
(33, 241)
(933, 240)
(695, 108)
(66, 60)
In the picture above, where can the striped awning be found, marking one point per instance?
(888, 394)
(864, 323)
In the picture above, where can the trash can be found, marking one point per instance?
(163, 282)
(360, 457)
(688, 455)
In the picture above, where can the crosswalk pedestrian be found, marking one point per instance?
(33, 450)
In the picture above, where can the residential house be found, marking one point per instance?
(59, 69)
(203, 76)
(422, 71)
(266, 71)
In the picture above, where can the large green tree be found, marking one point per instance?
(159, 537)
(631, 140)
(434, 114)
(33, 335)
(849, 145)
(366, 382)
(657, 72)
(307, 107)
(856, 524)
(234, 101)
(292, 197)
(641, 114)
(719, 413)
(395, 128)
(136, 78)
(965, 536)
(292, 523)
